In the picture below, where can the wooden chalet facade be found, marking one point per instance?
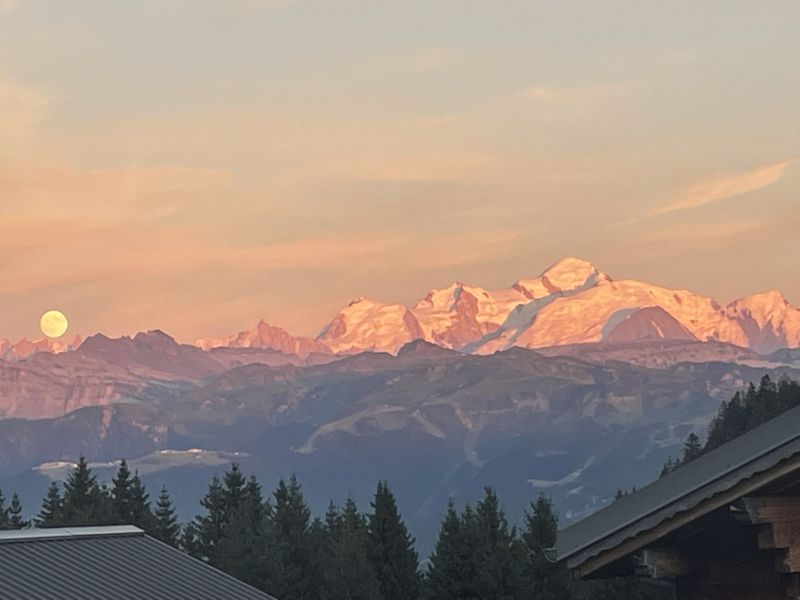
(725, 526)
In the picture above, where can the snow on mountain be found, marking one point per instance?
(368, 325)
(768, 320)
(25, 347)
(572, 302)
(592, 314)
(459, 316)
(651, 323)
(567, 275)
(269, 337)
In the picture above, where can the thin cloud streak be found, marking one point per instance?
(559, 95)
(704, 231)
(724, 187)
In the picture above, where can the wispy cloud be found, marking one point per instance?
(704, 231)
(559, 95)
(723, 187)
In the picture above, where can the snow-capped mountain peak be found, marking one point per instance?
(768, 319)
(567, 275)
(266, 336)
(366, 324)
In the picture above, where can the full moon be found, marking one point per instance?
(53, 323)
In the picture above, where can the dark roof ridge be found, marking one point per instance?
(66, 533)
(688, 479)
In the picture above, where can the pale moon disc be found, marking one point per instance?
(53, 323)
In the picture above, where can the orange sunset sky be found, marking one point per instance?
(194, 165)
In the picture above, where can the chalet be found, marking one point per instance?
(93, 563)
(726, 525)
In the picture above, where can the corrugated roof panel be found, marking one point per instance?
(126, 566)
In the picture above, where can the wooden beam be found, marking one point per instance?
(779, 535)
(666, 563)
(788, 561)
(771, 509)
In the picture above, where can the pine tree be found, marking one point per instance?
(500, 557)
(167, 529)
(451, 573)
(352, 576)
(291, 573)
(234, 484)
(15, 519)
(85, 502)
(4, 521)
(321, 536)
(209, 527)
(391, 549)
(190, 540)
(546, 579)
(242, 548)
(692, 449)
(121, 496)
(52, 511)
(141, 515)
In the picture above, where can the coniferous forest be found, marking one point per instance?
(273, 542)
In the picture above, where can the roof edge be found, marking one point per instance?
(67, 533)
(780, 433)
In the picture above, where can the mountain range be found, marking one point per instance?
(572, 302)
(571, 384)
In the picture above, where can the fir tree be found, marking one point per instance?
(498, 553)
(52, 511)
(546, 579)
(121, 496)
(209, 527)
(4, 524)
(323, 551)
(190, 540)
(141, 514)
(84, 500)
(390, 549)
(234, 484)
(243, 543)
(351, 576)
(692, 449)
(167, 529)
(290, 570)
(15, 519)
(450, 574)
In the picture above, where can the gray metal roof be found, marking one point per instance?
(720, 470)
(103, 563)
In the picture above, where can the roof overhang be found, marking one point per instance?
(760, 457)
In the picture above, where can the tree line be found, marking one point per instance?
(275, 544)
(743, 412)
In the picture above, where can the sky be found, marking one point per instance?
(195, 165)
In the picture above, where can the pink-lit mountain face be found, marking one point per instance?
(572, 302)
(267, 337)
(25, 348)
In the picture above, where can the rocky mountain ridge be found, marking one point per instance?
(572, 302)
